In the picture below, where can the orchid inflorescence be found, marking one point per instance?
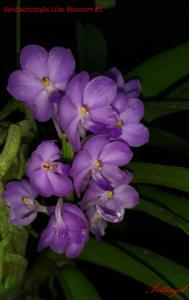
(100, 117)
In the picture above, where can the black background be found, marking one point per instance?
(134, 31)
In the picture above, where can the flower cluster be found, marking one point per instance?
(100, 116)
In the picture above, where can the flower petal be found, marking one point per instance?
(73, 134)
(23, 86)
(81, 162)
(97, 227)
(61, 65)
(95, 145)
(76, 87)
(41, 106)
(81, 181)
(113, 173)
(120, 102)
(133, 112)
(48, 151)
(104, 115)
(116, 153)
(99, 92)
(18, 219)
(40, 181)
(135, 135)
(75, 210)
(116, 75)
(132, 88)
(61, 186)
(67, 112)
(73, 250)
(34, 59)
(126, 196)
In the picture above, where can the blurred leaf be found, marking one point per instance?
(157, 109)
(106, 3)
(168, 141)
(9, 108)
(3, 132)
(91, 48)
(52, 288)
(181, 92)
(10, 149)
(76, 285)
(12, 249)
(163, 70)
(175, 274)
(108, 255)
(14, 267)
(163, 214)
(42, 269)
(165, 175)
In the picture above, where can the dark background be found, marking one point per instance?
(134, 31)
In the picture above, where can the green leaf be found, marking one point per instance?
(165, 175)
(76, 285)
(175, 274)
(67, 150)
(163, 214)
(157, 109)
(91, 48)
(106, 3)
(108, 255)
(163, 70)
(174, 203)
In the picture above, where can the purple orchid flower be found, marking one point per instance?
(86, 106)
(127, 126)
(20, 197)
(110, 203)
(46, 174)
(100, 159)
(97, 225)
(66, 232)
(42, 78)
(129, 111)
(131, 89)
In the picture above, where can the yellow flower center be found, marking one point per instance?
(84, 110)
(45, 81)
(48, 166)
(98, 165)
(109, 194)
(26, 201)
(118, 124)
